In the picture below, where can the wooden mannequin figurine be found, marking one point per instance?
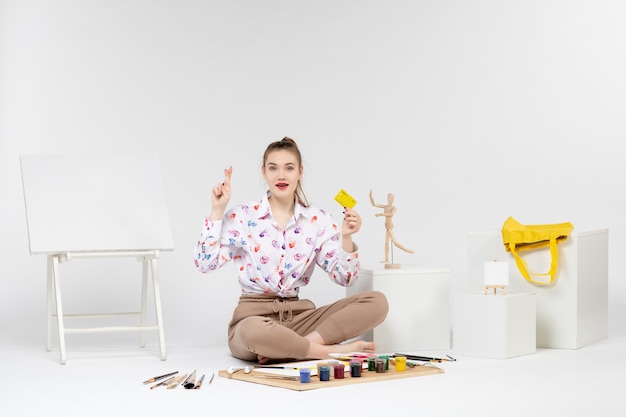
(388, 211)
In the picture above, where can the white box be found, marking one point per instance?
(419, 307)
(571, 313)
(494, 326)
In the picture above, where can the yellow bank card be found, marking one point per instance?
(345, 199)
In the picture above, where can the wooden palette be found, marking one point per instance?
(277, 380)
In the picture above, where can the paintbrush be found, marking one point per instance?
(425, 358)
(284, 367)
(284, 377)
(190, 382)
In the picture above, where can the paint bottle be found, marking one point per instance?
(355, 369)
(380, 365)
(339, 369)
(305, 375)
(319, 365)
(324, 373)
(400, 363)
(371, 363)
(386, 358)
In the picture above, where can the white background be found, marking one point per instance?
(468, 111)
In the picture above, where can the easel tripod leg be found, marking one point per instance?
(157, 304)
(49, 303)
(144, 299)
(57, 294)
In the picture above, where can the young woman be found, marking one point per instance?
(275, 243)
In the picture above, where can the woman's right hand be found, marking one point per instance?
(220, 196)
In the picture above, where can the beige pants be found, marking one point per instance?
(275, 327)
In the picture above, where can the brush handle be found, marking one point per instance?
(199, 384)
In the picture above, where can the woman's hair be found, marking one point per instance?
(290, 145)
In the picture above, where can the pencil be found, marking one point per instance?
(156, 378)
(283, 367)
(176, 382)
(164, 382)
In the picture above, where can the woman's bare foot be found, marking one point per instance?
(262, 360)
(319, 350)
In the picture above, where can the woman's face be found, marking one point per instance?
(282, 173)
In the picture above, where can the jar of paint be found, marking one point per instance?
(400, 363)
(305, 375)
(324, 373)
(386, 358)
(319, 365)
(355, 369)
(380, 365)
(371, 364)
(339, 369)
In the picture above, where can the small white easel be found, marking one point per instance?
(496, 276)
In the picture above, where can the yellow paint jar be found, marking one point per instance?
(400, 363)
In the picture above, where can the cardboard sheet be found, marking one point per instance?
(282, 379)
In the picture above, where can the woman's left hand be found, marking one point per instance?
(351, 223)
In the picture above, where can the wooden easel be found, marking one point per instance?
(496, 276)
(495, 288)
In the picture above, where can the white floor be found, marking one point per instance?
(107, 380)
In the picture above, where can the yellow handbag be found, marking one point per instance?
(518, 237)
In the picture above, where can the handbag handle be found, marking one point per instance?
(523, 266)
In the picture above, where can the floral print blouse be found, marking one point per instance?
(272, 261)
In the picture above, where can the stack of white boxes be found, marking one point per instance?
(569, 314)
(495, 326)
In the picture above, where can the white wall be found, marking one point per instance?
(468, 111)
